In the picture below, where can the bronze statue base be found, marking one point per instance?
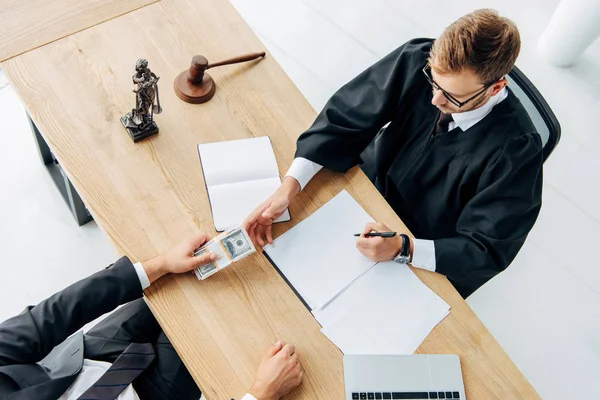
(135, 131)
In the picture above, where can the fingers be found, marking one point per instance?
(260, 233)
(261, 210)
(203, 259)
(258, 223)
(268, 213)
(260, 229)
(299, 378)
(375, 227)
(255, 215)
(250, 226)
(295, 358)
(198, 240)
(298, 369)
(275, 207)
(370, 227)
(362, 242)
(368, 243)
(266, 235)
(370, 247)
(269, 233)
(297, 372)
(288, 350)
(273, 350)
(252, 232)
(247, 224)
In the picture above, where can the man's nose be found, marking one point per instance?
(438, 98)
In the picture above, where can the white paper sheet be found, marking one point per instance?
(319, 256)
(239, 175)
(387, 311)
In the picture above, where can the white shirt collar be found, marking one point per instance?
(467, 119)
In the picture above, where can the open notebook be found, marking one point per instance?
(363, 307)
(239, 175)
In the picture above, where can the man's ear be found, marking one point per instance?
(498, 86)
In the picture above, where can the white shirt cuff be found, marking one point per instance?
(423, 254)
(141, 273)
(303, 170)
(249, 397)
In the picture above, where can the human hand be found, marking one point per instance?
(259, 223)
(279, 372)
(179, 259)
(378, 248)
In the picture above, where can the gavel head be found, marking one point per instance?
(197, 68)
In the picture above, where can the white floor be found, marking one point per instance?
(544, 310)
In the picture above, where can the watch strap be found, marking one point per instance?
(405, 245)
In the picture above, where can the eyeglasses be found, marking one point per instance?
(452, 99)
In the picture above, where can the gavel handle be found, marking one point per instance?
(244, 58)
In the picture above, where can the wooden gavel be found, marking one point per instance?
(196, 86)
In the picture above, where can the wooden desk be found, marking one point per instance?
(149, 196)
(27, 24)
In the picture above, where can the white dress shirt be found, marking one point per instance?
(304, 170)
(92, 370)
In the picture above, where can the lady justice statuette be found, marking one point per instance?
(139, 123)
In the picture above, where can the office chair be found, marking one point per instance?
(539, 111)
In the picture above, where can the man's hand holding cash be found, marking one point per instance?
(229, 247)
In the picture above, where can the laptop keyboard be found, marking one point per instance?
(404, 395)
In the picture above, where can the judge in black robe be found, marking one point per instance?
(476, 193)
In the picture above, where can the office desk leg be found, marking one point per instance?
(62, 182)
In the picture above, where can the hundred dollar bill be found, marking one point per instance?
(230, 246)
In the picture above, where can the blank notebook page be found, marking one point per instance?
(239, 175)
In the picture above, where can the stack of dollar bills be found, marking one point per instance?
(230, 246)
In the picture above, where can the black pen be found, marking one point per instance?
(378, 234)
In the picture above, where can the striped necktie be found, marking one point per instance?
(128, 366)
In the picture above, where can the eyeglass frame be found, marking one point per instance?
(447, 95)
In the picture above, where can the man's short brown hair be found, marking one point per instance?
(482, 41)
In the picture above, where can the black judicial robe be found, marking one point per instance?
(476, 193)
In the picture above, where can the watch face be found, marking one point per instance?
(402, 259)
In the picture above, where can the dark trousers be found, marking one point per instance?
(167, 377)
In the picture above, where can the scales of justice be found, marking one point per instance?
(192, 86)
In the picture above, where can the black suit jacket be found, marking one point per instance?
(39, 359)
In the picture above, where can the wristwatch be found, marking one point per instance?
(404, 256)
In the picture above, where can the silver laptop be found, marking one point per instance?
(419, 376)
